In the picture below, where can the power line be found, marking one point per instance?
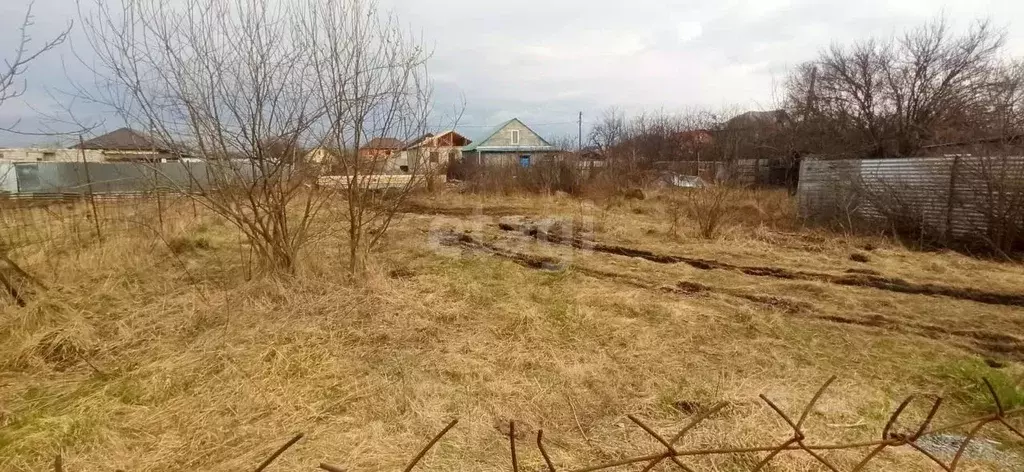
(460, 125)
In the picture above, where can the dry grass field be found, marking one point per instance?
(153, 351)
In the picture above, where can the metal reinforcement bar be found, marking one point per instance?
(797, 442)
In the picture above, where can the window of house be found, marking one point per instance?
(433, 157)
(515, 137)
(49, 156)
(524, 161)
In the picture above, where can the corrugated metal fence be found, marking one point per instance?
(947, 197)
(33, 178)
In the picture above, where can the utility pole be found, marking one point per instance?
(580, 135)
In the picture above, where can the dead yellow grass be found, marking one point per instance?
(141, 358)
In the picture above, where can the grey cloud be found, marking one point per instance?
(546, 60)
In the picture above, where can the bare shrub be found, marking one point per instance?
(547, 176)
(996, 186)
(710, 208)
(247, 87)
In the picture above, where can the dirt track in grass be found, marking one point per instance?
(982, 342)
(891, 284)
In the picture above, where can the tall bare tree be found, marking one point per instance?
(246, 86)
(371, 79)
(892, 97)
(12, 84)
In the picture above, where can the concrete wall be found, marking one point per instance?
(49, 155)
(70, 155)
(412, 158)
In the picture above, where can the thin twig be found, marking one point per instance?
(577, 418)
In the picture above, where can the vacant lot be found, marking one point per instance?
(152, 350)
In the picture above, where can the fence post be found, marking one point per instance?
(159, 197)
(954, 171)
(88, 181)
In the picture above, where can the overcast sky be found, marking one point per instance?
(546, 60)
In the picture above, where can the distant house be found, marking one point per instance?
(380, 148)
(128, 145)
(694, 142)
(122, 145)
(758, 119)
(429, 152)
(591, 157)
(512, 143)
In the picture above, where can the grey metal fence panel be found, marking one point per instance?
(113, 178)
(954, 196)
(827, 189)
(8, 179)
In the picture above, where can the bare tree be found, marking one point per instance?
(371, 80)
(246, 87)
(610, 129)
(892, 97)
(12, 85)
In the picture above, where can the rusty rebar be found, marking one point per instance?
(930, 456)
(995, 396)
(512, 444)
(895, 416)
(798, 434)
(662, 440)
(543, 452)
(686, 429)
(967, 440)
(278, 452)
(423, 452)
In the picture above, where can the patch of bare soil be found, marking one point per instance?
(860, 279)
(421, 209)
(985, 343)
(468, 242)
